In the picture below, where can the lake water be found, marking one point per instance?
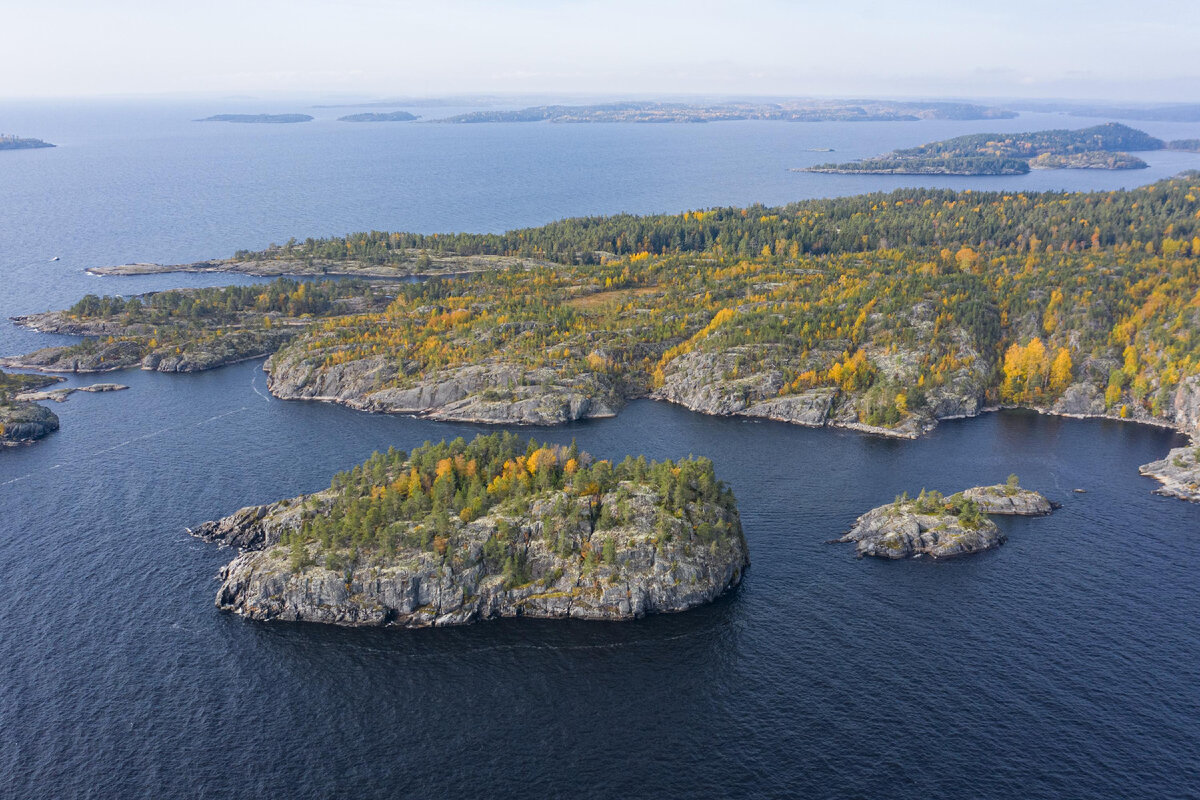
(1064, 664)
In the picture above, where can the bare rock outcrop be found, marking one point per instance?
(942, 527)
(1179, 474)
(492, 393)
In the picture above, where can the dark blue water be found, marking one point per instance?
(1064, 664)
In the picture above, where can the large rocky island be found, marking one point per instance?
(941, 527)
(461, 532)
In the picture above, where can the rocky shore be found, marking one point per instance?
(98, 357)
(22, 423)
(495, 393)
(558, 564)
(113, 345)
(942, 527)
(1179, 474)
(21, 420)
(719, 383)
(60, 395)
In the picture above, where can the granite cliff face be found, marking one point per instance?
(1187, 407)
(720, 383)
(492, 393)
(259, 527)
(651, 570)
(941, 528)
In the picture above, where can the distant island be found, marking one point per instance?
(460, 532)
(9, 142)
(941, 527)
(1186, 145)
(1099, 147)
(258, 118)
(393, 116)
(790, 111)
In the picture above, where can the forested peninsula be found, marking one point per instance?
(1100, 147)
(882, 312)
(460, 532)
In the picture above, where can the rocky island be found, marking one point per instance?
(1179, 474)
(941, 527)
(1099, 147)
(21, 420)
(460, 532)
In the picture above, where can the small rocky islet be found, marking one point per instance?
(459, 532)
(941, 527)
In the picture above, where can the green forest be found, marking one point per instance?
(906, 218)
(421, 500)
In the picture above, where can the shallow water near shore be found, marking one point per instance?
(1063, 664)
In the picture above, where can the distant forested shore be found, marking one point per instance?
(1099, 147)
(10, 142)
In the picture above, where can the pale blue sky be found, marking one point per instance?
(1148, 50)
